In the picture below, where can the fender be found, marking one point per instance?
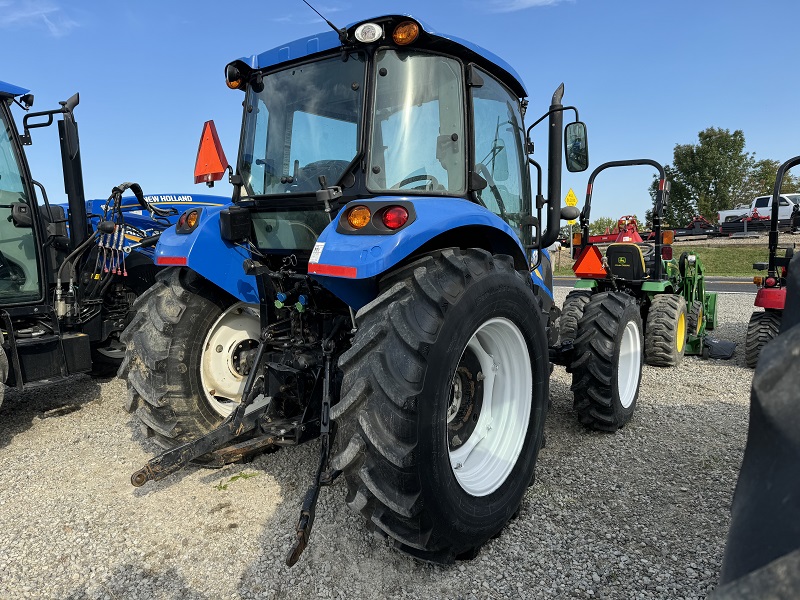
(206, 253)
(349, 264)
(771, 298)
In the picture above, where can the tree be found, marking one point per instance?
(762, 179)
(680, 207)
(709, 176)
(599, 226)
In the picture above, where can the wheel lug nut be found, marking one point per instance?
(218, 348)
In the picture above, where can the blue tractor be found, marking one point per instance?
(379, 283)
(68, 272)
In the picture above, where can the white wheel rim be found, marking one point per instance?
(629, 365)
(486, 458)
(235, 330)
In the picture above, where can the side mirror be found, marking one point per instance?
(570, 213)
(211, 163)
(576, 147)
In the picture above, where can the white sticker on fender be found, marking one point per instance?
(316, 252)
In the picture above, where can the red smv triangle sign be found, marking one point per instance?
(211, 162)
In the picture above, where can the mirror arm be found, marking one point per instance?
(66, 108)
(547, 114)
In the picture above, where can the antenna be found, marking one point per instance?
(342, 32)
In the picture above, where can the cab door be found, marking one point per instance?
(20, 269)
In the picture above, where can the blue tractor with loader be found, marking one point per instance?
(68, 272)
(379, 283)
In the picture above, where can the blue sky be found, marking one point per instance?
(645, 76)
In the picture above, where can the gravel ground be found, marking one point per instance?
(639, 514)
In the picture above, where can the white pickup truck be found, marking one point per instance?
(763, 207)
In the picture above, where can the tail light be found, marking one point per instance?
(188, 221)
(395, 217)
(666, 252)
(770, 282)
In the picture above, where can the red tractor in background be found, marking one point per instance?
(765, 325)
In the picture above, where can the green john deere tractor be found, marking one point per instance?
(676, 309)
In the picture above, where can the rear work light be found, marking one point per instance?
(395, 217)
(368, 32)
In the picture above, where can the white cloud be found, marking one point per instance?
(35, 13)
(515, 5)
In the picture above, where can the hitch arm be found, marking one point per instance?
(323, 475)
(236, 424)
(177, 458)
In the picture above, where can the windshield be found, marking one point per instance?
(795, 198)
(418, 129)
(304, 124)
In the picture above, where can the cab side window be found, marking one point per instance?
(497, 150)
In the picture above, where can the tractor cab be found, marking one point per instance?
(381, 124)
(21, 270)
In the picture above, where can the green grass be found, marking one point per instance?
(727, 261)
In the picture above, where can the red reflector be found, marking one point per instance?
(395, 217)
(771, 282)
(666, 252)
(334, 270)
(211, 163)
(171, 260)
(589, 264)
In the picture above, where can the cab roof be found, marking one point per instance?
(449, 44)
(8, 90)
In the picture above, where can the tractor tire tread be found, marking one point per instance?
(762, 328)
(660, 337)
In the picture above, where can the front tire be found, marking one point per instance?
(762, 328)
(665, 331)
(571, 313)
(607, 367)
(184, 354)
(443, 403)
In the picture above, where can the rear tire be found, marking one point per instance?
(179, 362)
(571, 313)
(607, 367)
(762, 328)
(665, 331)
(443, 403)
